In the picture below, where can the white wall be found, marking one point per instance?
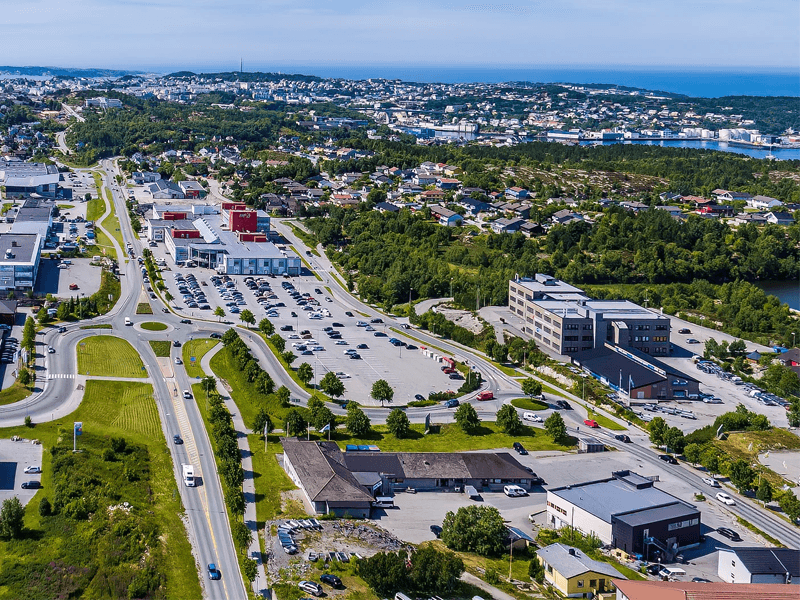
(577, 518)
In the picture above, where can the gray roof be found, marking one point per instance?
(435, 465)
(608, 497)
(569, 565)
(658, 514)
(770, 560)
(24, 247)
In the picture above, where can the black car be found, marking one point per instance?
(376, 320)
(563, 404)
(348, 313)
(355, 356)
(31, 485)
(668, 458)
(362, 347)
(332, 580)
(729, 533)
(436, 530)
(62, 329)
(176, 343)
(419, 397)
(216, 336)
(186, 321)
(177, 439)
(287, 328)
(411, 347)
(337, 324)
(622, 438)
(520, 448)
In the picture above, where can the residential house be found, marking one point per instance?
(780, 218)
(163, 189)
(670, 197)
(634, 206)
(516, 193)
(690, 590)
(718, 210)
(386, 207)
(759, 565)
(744, 218)
(445, 216)
(424, 178)
(728, 196)
(676, 212)
(574, 574)
(444, 183)
(698, 201)
(763, 202)
(140, 178)
(507, 225)
(432, 195)
(566, 216)
(474, 206)
(531, 229)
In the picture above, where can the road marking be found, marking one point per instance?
(61, 376)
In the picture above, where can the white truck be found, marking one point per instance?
(188, 475)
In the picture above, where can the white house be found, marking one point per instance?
(763, 202)
(759, 565)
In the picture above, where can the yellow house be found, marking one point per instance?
(574, 574)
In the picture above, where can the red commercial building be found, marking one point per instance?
(243, 220)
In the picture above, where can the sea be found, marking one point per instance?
(695, 82)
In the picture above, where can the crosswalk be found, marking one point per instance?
(61, 375)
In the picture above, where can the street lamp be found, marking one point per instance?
(793, 339)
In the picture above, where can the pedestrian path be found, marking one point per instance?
(61, 375)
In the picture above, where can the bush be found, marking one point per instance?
(45, 509)
(475, 528)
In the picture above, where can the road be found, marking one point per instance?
(209, 529)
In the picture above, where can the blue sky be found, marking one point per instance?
(214, 34)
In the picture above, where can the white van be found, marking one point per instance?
(128, 321)
(672, 572)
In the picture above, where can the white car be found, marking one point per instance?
(178, 361)
(342, 375)
(529, 416)
(725, 499)
(32, 469)
(513, 491)
(711, 482)
(51, 350)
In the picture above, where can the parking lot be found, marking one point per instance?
(307, 321)
(14, 458)
(415, 513)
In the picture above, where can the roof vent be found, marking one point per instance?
(572, 551)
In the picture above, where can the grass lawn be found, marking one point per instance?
(749, 444)
(451, 439)
(108, 356)
(14, 393)
(161, 348)
(144, 308)
(306, 263)
(101, 326)
(308, 239)
(604, 421)
(529, 404)
(197, 349)
(111, 222)
(96, 207)
(153, 326)
(36, 566)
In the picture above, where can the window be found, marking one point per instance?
(587, 338)
(547, 319)
(549, 569)
(580, 583)
(570, 338)
(588, 326)
(593, 583)
(733, 563)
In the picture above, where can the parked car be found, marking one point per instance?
(419, 397)
(310, 587)
(729, 533)
(668, 458)
(725, 499)
(436, 530)
(711, 482)
(692, 341)
(31, 485)
(330, 579)
(32, 469)
(519, 448)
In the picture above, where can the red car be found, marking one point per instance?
(591, 423)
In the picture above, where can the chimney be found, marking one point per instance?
(572, 551)
(13, 243)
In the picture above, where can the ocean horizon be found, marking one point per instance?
(698, 82)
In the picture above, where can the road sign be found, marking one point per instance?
(78, 425)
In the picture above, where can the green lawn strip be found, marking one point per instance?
(14, 393)
(109, 286)
(604, 421)
(306, 238)
(306, 263)
(96, 207)
(529, 404)
(153, 326)
(292, 371)
(61, 544)
(99, 326)
(161, 348)
(450, 439)
(197, 349)
(111, 222)
(108, 356)
(757, 531)
(65, 206)
(144, 308)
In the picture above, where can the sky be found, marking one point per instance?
(213, 35)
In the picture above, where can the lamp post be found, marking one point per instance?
(793, 339)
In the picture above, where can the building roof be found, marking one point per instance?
(325, 478)
(623, 493)
(680, 590)
(435, 465)
(543, 286)
(571, 565)
(657, 514)
(769, 561)
(24, 247)
(8, 307)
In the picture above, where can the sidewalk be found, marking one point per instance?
(493, 592)
(249, 487)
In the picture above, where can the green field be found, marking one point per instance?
(100, 326)
(529, 404)
(604, 421)
(111, 222)
(153, 326)
(198, 349)
(65, 555)
(108, 356)
(144, 308)
(161, 348)
(14, 393)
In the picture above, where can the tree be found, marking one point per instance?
(295, 424)
(12, 516)
(262, 421)
(693, 452)
(531, 387)
(247, 317)
(29, 334)
(219, 312)
(385, 573)
(674, 440)
(277, 341)
(283, 395)
(764, 492)
(508, 419)
(790, 505)
(209, 384)
(555, 427)
(710, 461)
(168, 297)
(741, 475)
(250, 569)
(398, 424)
(266, 327)
(288, 357)
(242, 536)
(434, 571)
(467, 418)
(474, 528)
(381, 390)
(304, 373)
(24, 376)
(658, 430)
(322, 417)
(536, 569)
(357, 422)
(45, 508)
(332, 385)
